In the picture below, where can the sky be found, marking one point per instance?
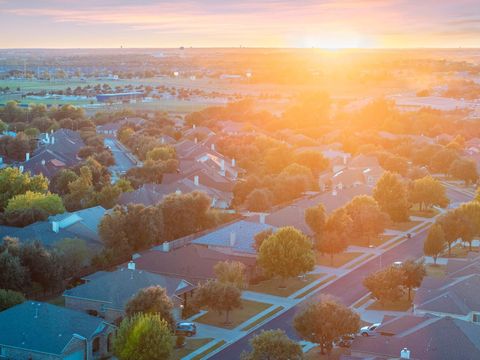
(233, 23)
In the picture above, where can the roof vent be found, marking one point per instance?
(131, 265)
(405, 354)
(233, 238)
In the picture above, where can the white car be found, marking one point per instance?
(369, 330)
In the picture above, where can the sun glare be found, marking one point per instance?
(334, 41)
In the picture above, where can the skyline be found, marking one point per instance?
(214, 23)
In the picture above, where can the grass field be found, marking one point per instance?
(338, 259)
(335, 354)
(249, 309)
(401, 305)
(272, 286)
(435, 270)
(190, 346)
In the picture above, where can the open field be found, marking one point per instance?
(272, 286)
(238, 316)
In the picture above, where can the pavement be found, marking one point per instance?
(124, 160)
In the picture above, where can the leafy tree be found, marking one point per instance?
(428, 191)
(23, 217)
(386, 284)
(152, 300)
(314, 160)
(413, 274)
(217, 296)
(367, 219)
(13, 182)
(75, 254)
(273, 345)
(391, 195)
(286, 253)
(231, 272)
(325, 321)
(143, 337)
(161, 153)
(50, 203)
(464, 169)
(316, 217)
(9, 298)
(260, 238)
(3, 126)
(443, 160)
(334, 239)
(81, 191)
(16, 148)
(470, 215)
(259, 200)
(435, 242)
(59, 182)
(452, 224)
(13, 276)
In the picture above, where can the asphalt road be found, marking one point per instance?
(347, 289)
(122, 162)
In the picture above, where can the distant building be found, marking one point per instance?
(120, 97)
(41, 331)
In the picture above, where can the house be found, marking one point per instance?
(146, 195)
(294, 213)
(456, 297)
(420, 337)
(237, 238)
(81, 224)
(111, 129)
(58, 150)
(195, 263)
(200, 132)
(41, 331)
(236, 128)
(106, 293)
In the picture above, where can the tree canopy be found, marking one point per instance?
(273, 345)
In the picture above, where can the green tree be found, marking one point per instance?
(59, 182)
(443, 160)
(435, 242)
(464, 169)
(413, 274)
(260, 238)
(314, 160)
(470, 214)
(3, 126)
(14, 275)
(152, 300)
(259, 200)
(334, 239)
(386, 284)
(75, 254)
(161, 153)
(13, 182)
(9, 298)
(217, 296)
(325, 321)
(50, 203)
(428, 191)
(452, 224)
(273, 345)
(391, 195)
(231, 272)
(316, 217)
(143, 337)
(287, 253)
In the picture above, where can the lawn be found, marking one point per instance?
(59, 301)
(209, 350)
(335, 354)
(263, 318)
(190, 346)
(315, 287)
(237, 317)
(380, 240)
(338, 259)
(459, 251)
(435, 270)
(403, 226)
(272, 286)
(429, 213)
(400, 305)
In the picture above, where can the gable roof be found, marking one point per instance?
(146, 195)
(46, 328)
(362, 161)
(244, 231)
(427, 337)
(117, 287)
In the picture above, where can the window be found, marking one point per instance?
(476, 318)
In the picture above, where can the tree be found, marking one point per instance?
(80, 191)
(314, 160)
(435, 242)
(443, 160)
(218, 296)
(273, 345)
(9, 298)
(59, 182)
(286, 253)
(75, 254)
(464, 169)
(231, 272)
(316, 217)
(152, 300)
(386, 284)
(14, 275)
(428, 191)
(390, 193)
(260, 238)
(325, 321)
(50, 203)
(470, 215)
(143, 337)
(413, 274)
(13, 182)
(259, 200)
(334, 239)
(451, 224)
(367, 219)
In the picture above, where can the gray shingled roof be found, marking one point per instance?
(46, 328)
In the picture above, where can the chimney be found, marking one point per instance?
(163, 140)
(405, 354)
(131, 265)
(53, 140)
(166, 246)
(196, 141)
(27, 156)
(43, 162)
(233, 238)
(234, 162)
(222, 165)
(47, 138)
(193, 126)
(20, 168)
(212, 147)
(195, 180)
(55, 226)
(262, 218)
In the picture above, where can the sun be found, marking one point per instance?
(333, 41)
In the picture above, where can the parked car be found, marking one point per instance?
(397, 264)
(186, 329)
(369, 330)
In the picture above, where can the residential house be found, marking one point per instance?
(200, 132)
(41, 331)
(111, 129)
(106, 293)
(236, 127)
(420, 337)
(81, 224)
(237, 238)
(194, 263)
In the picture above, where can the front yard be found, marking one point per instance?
(338, 259)
(237, 317)
(401, 304)
(460, 251)
(403, 226)
(272, 286)
(435, 270)
(426, 213)
(190, 346)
